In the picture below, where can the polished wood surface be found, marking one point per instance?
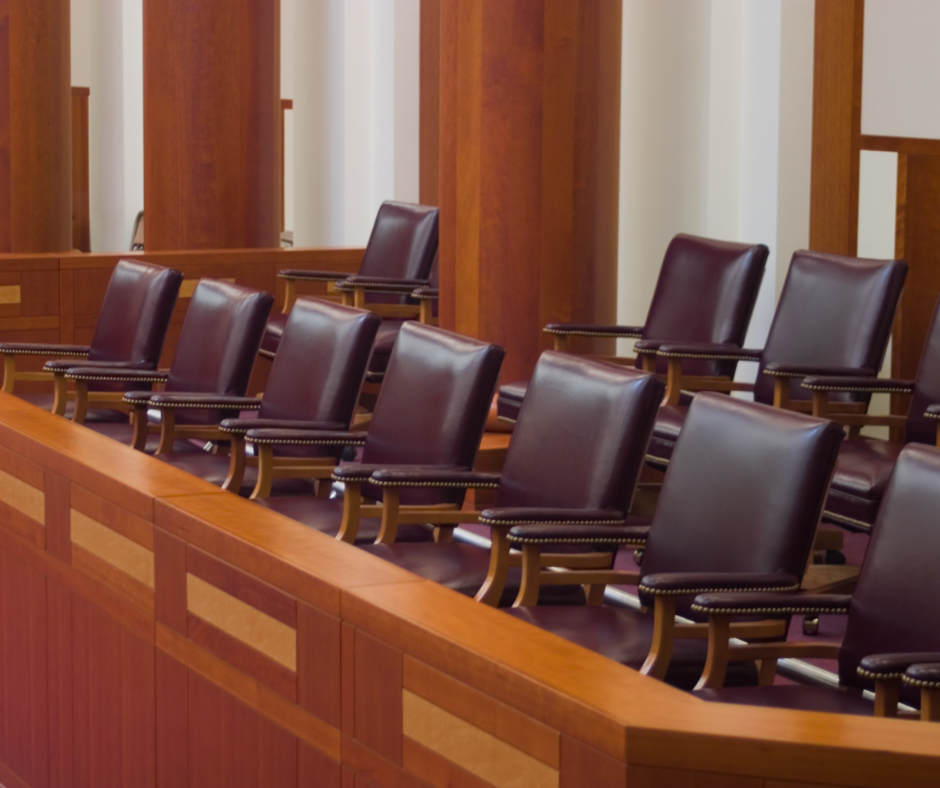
(529, 169)
(837, 108)
(81, 216)
(35, 127)
(397, 682)
(429, 163)
(212, 124)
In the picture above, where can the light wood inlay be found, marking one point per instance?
(471, 748)
(188, 286)
(259, 630)
(23, 497)
(119, 551)
(10, 294)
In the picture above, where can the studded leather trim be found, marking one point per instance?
(710, 356)
(312, 277)
(774, 373)
(571, 540)
(849, 520)
(654, 458)
(920, 683)
(489, 521)
(202, 406)
(867, 674)
(480, 486)
(425, 296)
(864, 389)
(305, 442)
(932, 415)
(375, 377)
(389, 289)
(753, 611)
(587, 333)
(45, 353)
(682, 591)
(129, 378)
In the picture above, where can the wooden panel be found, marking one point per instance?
(23, 497)
(348, 677)
(315, 770)
(837, 98)
(231, 744)
(378, 700)
(436, 770)
(172, 726)
(644, 777)
(470, 747)
(482, 711)
(212, 177)
(243, 622)
(61, 762)
(113, 548)
(35, 130)
(114, 702)
(58, 516)
(900, 144)
(371, 769)
(529, 178)
(319, 655)
(81, 217)
(170, 580)
(137, 529)
(585, 767)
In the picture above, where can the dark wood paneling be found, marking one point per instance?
(61, 760)
(58, 517)
(319, 684)
(81, 216)
(585, 767)
(316, 770)
(212, 144)
(837, 101)
(529, 183)
(35, 127)
(172, 726)
(378, 696)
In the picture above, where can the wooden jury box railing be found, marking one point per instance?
(156, 630)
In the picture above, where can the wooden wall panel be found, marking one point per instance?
(35, 127)
(529, 178)
(837, 103)
(212, 143)
(81, 215)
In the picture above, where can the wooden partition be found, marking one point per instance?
(155, 630)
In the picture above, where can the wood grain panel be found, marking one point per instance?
(109, 575)
(378, 699)
(316, 770)
(172, 722)
(23, 526)
(837, 101)
(58, 516)
(470, 747)
(243, 586)
(231, 744)
(95, 507)
(370, 768)
(482, 711)
(584, 767)
(81, 216)
(211, 177)
(116, 549)
(319, 661)
(35, 133)
(23, 497)
(348, 677)
(242, 621)
(170, 580)
(436, 770)
(645, 777)
(61, 762)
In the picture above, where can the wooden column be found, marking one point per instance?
(35, 131)
(529, 173)
(212, 129)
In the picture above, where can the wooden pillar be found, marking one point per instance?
(35, 130)
(529, 168)
(212, 128)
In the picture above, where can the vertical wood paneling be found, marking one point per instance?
(530, 126)
(172, 731)
(169, 568)
(316, 770)
(837, 101)
(429, 161)
(211, 124)
(61, 761)
(319, 665)
(58, 516)
(81, 217)
(378, 696)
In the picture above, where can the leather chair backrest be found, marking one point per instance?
(581, 436)
(320, 363)
(896, 605)
(402, 245)
(833, 312)
(218, 342)
(135, 313)
(432, 406)
(744, 490)
(705, 293)
(926, 387)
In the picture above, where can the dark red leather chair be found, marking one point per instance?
(314, 383)
(705, 293)
(738, 510)
(833, 318)
(430, 412)
(893, 616)
(129, 333)
(214, 355)
(397, 259)
(554, 472)
(865, 464)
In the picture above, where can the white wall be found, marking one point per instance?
(716, 135)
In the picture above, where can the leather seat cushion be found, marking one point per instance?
(273, 330)
(509, 399)
(862, 472)
(792, 697)
(669, 423)
(463, 568)
(384, 342)
(625, 636)
(326, 515)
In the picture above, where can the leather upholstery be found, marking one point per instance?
(743, 495)
(402, 245)
(865, 464)
(706, 292)
(834, 313)
(579, 443)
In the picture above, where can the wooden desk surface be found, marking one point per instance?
(155, 630)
